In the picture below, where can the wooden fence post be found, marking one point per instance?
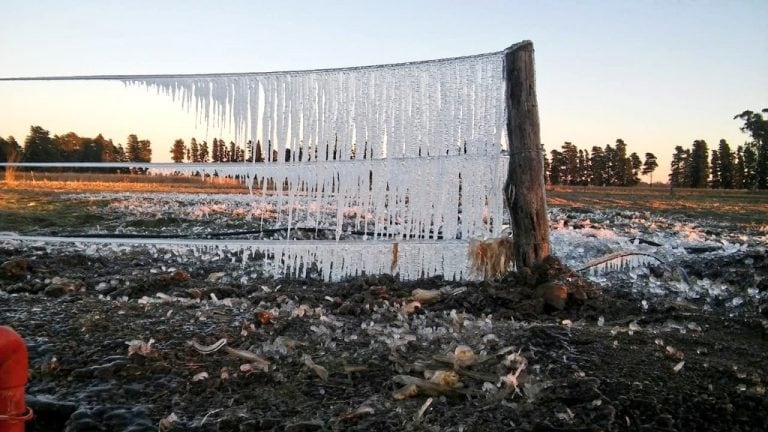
(524, 189)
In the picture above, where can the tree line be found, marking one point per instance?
(694, 167)
(40, 146)
(608, 166)
(220, 151)
(746, 167)
(724, 168)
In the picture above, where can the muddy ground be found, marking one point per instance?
(617, 361)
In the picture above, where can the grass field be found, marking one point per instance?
(734, 206)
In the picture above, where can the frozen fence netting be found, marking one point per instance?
(410, 153)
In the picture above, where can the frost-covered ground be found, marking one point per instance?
(578, 237)
(677, 345)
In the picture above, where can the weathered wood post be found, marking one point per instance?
(524, 190)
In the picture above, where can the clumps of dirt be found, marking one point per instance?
(374, 353)
(15, 268)
(548, 287)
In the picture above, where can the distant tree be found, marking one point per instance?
(223, 151)
(635, 164)
(132, 148)
(547, 166)
(145, 151)
(597, 165)
(557, 168)
(10, 150)
(649, 166)
(611, 165)
(120, 154)
(570, 164)
(233, 152)
(178, 151)
(727, 180)
(749, 176)
(714, 171)
(678, 168)
(621, 164)
(585, 174)
(738, 169)
(699, 165)
(39, 147)
(259, 156)
(249, 151)
(215, 155)
(106, 149)
(757, 126)
(204, 153)
(69, 146)
(137, 150)
(89, 152)
(194, 151)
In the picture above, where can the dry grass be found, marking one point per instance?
(734, 206)
(100, 182)
(10, 171)
(395, 256)
(491, 258)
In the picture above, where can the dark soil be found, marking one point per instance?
(602, 362)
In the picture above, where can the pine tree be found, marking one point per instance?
(622, 169)
(10, 150)
(259, 154)
(132, 149)
(634, 169)
(145, 151)
(194, 151)
(39, 147)
(678, 168)
(557, 168)
(178, 151)
(757, 126)
(726, 165)
(570, 156)
(215, 155)
(597, 166)
(611, 165)
(714, 170)
(223, 154)
(69, 146)
(585, 174)
(233, 152)
(738, 169)
(204, 153)
(649, 166)
(699, 166)
(750, 166)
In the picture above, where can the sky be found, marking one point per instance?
(655, 73)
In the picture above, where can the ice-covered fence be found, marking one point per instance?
(430, 108)
(415, 148)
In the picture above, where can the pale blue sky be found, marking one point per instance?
(655, 73)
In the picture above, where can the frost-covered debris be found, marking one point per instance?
(138, 346)
(328, 260)
(602, 235)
